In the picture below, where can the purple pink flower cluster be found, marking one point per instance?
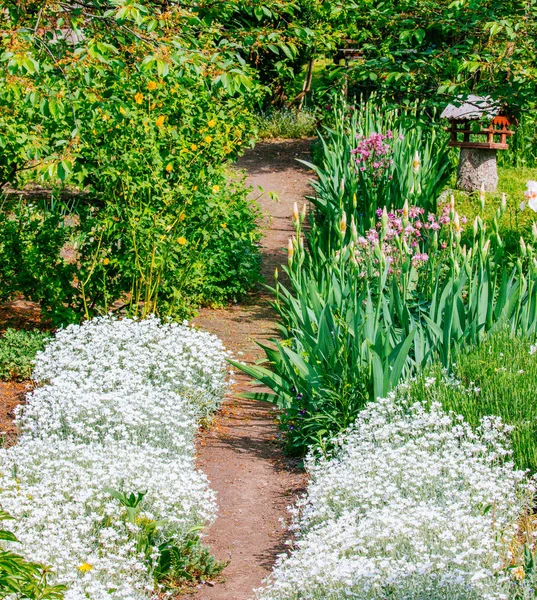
(401, 234)
(374, 153)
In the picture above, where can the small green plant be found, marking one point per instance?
(180, 564)
(21, 579)
(286, 123)
(17, 352)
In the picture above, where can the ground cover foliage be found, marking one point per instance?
(17, 352)
(102, 485)
(411, 503)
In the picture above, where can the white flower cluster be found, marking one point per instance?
(117, 408)
(413, 504)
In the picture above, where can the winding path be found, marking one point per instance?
(241, 454)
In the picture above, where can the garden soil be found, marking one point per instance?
(242, 453)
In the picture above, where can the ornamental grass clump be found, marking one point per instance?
(102, 484)
(412, 503)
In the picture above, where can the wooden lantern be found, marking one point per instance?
(477, 162)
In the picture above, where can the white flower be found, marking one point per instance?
(400, 511)
(530, 196)
(118, 407)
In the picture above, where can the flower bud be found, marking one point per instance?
(523, 248)
(304, 210)
(476, 226)
(290, 249)
(343, 223)
(405, 208)
(534, 231)
(354, 231)
(456, 222)
(503, 204)
(416, 163)
(276, 274)
(384, 219)
(482, 195)
(295, 212)
(354, 201)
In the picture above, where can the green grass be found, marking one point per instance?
(515, 223)
(286, 123)
(17, 353)
(496, 378)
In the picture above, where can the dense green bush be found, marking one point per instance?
(158, 216)
(17, 352)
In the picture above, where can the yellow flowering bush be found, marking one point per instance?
(146, 234)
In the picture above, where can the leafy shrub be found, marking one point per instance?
(411, 504)
(103, 480)
(286, 123)
(20, 578)
(17, 352)
(495, 378)
(143, 144)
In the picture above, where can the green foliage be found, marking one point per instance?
(17, 352)
(523, 145)
(21, 579)
(417, 171)
(514, 223)
(365, 308)
(436, 50)
(144, 125)
(180, 564)
(286, 123)
(496, 378)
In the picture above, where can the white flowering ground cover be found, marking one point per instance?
(412, 505)
(118, 407)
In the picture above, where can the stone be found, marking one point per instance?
(477, 166)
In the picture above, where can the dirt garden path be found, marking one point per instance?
(241, 455)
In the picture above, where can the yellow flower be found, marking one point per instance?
(152, 85)
(122, 110)
(182, 217)
(216, 189)
(195, 188)
(169, 167)
(208, 139)
(181, 240)
(224, 225)
(184, 150)
(106, 261)
(85, 567)
(194, 147)
(518, 573)
(138, 98)
(160, 121)
(211, 123)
